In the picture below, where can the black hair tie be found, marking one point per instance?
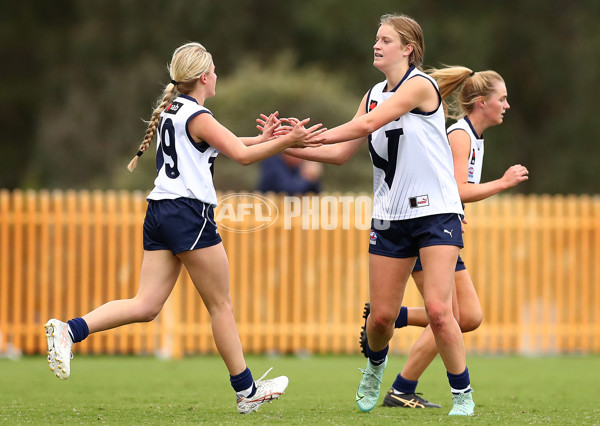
(174, 83)
(472, 74)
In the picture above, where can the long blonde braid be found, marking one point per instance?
(189, 62)
(168, 96)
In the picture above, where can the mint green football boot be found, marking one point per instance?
(367, 393)
(462, 404)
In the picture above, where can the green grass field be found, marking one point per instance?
(146, 390)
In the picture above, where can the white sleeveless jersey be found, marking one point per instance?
(476, 152)
(185, 167)
(413, 173)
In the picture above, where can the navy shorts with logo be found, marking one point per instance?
(179, 225)
(404, 238)
(460, 265)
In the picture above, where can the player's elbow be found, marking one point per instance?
(466, 194)
(366, 127)
(244, 161)
(340, 160)
(241, 157)
(341, 153)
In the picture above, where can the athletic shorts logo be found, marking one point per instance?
(173, 107)
(418, 201)
(373, 238)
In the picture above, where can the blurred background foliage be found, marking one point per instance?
(81, 76)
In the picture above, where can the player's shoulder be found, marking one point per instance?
(187, 104)
(377, 89)
(459, 135)
(466, 126)
(374, 96)
(418, 76)
(460, 124)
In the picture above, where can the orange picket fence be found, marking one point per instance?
(299, 271)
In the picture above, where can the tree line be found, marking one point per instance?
(80, 77)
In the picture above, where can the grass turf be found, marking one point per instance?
(146, 390)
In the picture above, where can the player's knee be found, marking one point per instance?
(151, 313)
(382, 322)
(470, 321)
(439, 315)
(148, 314)
(144, 311)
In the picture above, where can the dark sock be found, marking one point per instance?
(78, 329)
(402, 320)
(243, 381)
(377, 358)
(459, 382)
(403, 385)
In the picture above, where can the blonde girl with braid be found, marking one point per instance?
(179, 228)
(477, 101)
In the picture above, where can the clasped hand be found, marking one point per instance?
(273, 127)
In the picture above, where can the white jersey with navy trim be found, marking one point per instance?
(184, 166)
(413, 173)
(476, 151)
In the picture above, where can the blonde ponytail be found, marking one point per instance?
(471, 86)
(449, 79)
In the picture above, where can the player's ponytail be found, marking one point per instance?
(461, 87)
(449, 79)
(189, 62)
(168, 96)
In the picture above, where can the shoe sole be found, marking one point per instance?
(55, 364)
(50, 353)
(366, 409)
(263, 403)
(406, 403)
(461, 414)
(363, 331)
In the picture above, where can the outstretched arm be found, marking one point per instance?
(416, 92)
(204, 127)
(337, 153)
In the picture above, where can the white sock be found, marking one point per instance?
(70, 333)
(465, 390)
(245, 392)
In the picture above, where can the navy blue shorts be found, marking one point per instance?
(404, 238)
(179, 225)
(460, 265)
